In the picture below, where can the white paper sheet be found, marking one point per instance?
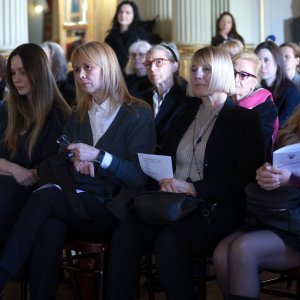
(288, 157)
(156, 166)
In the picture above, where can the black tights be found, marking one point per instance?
(239, 258)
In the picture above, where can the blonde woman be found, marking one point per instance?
(208, 145)
(249, 94)
(112, 128)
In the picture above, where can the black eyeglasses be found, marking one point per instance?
(158, 62)
(243, 75)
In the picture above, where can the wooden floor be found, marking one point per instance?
(65, 292)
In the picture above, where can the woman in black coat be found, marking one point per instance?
(215, 147)
(225, 30)
(126, 29)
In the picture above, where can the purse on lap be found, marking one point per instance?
(279, 208)
(156, 207)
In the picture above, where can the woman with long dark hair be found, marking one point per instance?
(126, 29)
(226, 29)
(274, 78)
(31, 120)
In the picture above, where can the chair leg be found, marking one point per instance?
(202, 273)
(298, 289)
(23, 291)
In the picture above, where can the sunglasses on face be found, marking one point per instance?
(158, 62)
(243, 75)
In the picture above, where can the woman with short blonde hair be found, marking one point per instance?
(208, 145)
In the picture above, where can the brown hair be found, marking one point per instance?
(290, 132)
(23, 114)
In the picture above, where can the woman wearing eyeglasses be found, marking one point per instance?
(274, 78)
(215, 147)
(167, 97)
(247, 71)
(135, 72)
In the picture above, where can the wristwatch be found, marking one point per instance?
(100, 157)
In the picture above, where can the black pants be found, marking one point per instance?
(13, 197)
(173, 245)
(40, 234)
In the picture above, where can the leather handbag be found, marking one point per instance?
(156, 207)
(279, 208)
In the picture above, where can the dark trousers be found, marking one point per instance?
(173, 246)
(13, 197)
(40, 233)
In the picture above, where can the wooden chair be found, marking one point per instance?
(86, 260)
(287, 276)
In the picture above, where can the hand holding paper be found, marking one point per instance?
(156, 166)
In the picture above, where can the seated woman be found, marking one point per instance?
(135, 72)
(59, 67)
(167, 97)
(239, 258)
(285, 94)
(208, 145)
(31, 120)
(247, 71)
(225, 29)
(291, 56)
(105, 172)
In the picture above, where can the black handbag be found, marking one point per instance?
(156, 207)
(279, 208)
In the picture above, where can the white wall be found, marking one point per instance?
(246, 14)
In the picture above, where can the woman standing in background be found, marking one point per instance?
(126, 29)
(225, 29)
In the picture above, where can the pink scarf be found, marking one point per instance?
(258, 97)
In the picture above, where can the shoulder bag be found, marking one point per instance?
(156, 207)
(279, 208)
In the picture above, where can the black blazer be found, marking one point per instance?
(121, 41)
(132, 131)
(235, 149)
(174, 103)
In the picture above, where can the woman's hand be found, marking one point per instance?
(25, 177)
(83, 152)
(84, 167)
(177, 186)
(270, 177)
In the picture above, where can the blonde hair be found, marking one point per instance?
(252, 57)
(141, 46)
(113, 86)
(24, 115)
(222, 75)
(290, 132)
(232, 46)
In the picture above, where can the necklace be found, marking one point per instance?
(195, 142)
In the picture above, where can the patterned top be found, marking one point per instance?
(191, 149)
